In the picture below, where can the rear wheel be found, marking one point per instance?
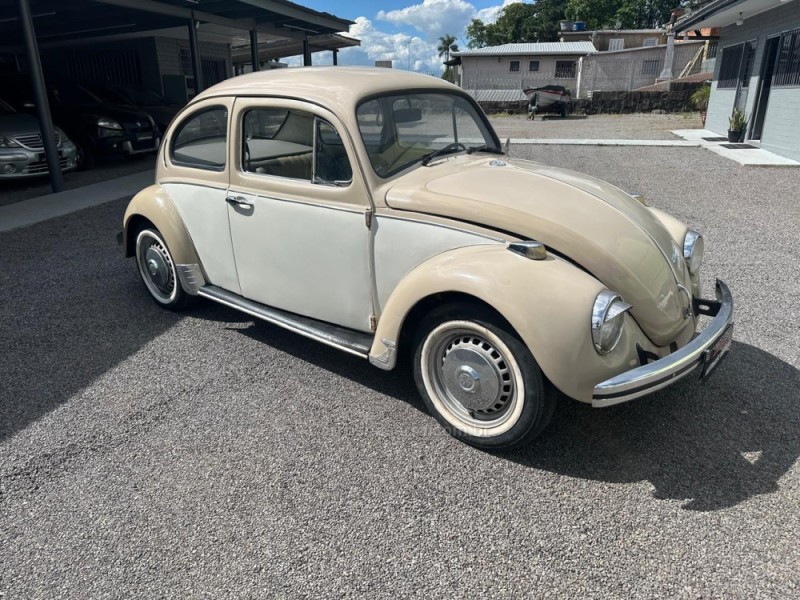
(158, 272)
(479, 380)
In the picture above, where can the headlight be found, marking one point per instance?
(608, 316)
(106, 123)
(8, 142)
(693, 251)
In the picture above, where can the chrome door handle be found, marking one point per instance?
(239, 201)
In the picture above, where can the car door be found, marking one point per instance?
(197, 182)
(298, 213)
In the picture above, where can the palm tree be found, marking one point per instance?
(446, 46)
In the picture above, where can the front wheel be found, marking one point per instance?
(479, 380)
(158, 272)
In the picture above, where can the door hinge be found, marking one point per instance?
(373, 322)
(368, 218)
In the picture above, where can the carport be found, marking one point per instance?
(27, 25)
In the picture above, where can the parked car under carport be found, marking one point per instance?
(22, 149)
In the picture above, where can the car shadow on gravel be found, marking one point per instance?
(712, 445)
(71, 308)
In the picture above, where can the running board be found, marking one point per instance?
(349, 340)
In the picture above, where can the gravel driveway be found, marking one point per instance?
(146, 454)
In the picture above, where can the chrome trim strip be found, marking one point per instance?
(348, 340)
(191, 278)
(666, 371)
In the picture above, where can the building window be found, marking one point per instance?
(729, 69)
(616, 44)
(650, 42)
(533, 66)
(651, 67)
(747, 63)
(514, 66)
(565, 69)
(787, 70)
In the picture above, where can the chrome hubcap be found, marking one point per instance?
(471, 377)
(156, 266)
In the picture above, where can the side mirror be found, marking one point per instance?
(407, 115)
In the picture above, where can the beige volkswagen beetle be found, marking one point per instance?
(375, 211)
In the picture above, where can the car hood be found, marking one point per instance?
(18, 123)
(594, 224)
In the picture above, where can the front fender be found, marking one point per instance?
(547, 302)
(154, 204)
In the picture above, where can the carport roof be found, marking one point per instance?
(59, 21)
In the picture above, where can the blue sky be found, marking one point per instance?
(403, 31)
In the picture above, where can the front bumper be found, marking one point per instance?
(702, 352)
(129, 144)
(26, 162)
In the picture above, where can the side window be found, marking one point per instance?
(200, 141)
(278, 142)
(295, 145)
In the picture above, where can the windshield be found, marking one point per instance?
(401, 129)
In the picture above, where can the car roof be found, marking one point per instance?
(337, 88)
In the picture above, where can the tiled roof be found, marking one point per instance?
(547, 48)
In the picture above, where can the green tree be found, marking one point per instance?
(446, 46)
(518, 23)
(624, 14)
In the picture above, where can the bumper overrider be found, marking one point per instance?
(704, 352)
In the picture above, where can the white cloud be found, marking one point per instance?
(403, 49)
(490, 14)
(432, 17)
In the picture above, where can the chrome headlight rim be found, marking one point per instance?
(693, 248)
(608, 318)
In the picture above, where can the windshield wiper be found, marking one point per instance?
(449, 149)
(484, 148)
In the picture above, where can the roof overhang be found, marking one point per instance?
(721, 13)
(60, 22)
(283, 48)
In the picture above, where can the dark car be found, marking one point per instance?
(97, 128)
(22, 149)
(159, 108)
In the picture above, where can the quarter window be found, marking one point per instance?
(200, 141)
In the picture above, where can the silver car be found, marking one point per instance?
(21, 147)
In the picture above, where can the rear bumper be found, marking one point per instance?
(702, 352)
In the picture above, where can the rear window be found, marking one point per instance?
(200, 140)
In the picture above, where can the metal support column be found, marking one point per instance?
(335, 53)
(254, 50)
(306, 53)
(40, 95)
(197, 67)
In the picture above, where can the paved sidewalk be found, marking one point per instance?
(755, 157)
(36, 210)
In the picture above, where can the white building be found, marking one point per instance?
(518, 66)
